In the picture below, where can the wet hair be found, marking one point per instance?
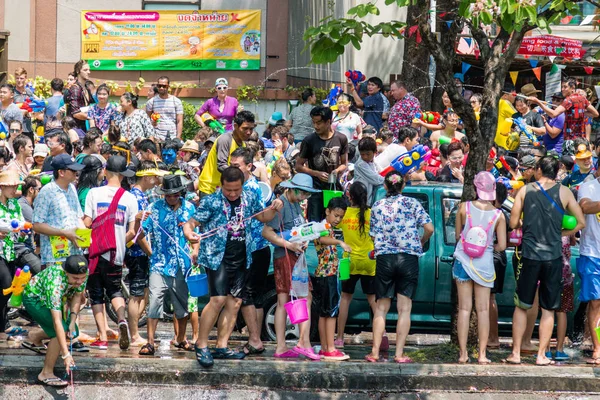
(244, 116)
(448, 114)
(154, 89)
(321, 111)
(307, 93)
(88, 177)
(572, 83)
(5, 154)
(367, 144)
(568, 162)
(376, 81)
(114, 134)
(30, 182)
(393, 189)
(90, 137)
(20, 142)
(144, 166)
(444, 150)
(57, 85)
(540, 148)
(63, 138)
(501, 193)
(132, 98)
(345, 97)
(232, 174)
(549, 167)
(407, 132)
(337, 202)
(77, 68)
(245, 153)
(106, 148)
(464, 140)
(454, 146)
(358, 194)
(103, 87)
(147, 145)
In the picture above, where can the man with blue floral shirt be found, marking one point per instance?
(170, 259)
(226, 253)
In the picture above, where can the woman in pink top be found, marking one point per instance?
(223, 108)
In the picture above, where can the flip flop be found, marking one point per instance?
(147, 350)
(550, 362)
(369, 357)
(309, 353)
(34, 348)
(593, 361)
(250, 350)
(16, 331)
(507, 361)
(53, 382)
(286, 354)
(403, 360)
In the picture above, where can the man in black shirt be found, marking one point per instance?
(324, 156)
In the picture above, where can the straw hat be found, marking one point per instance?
(9, 178)
(191, 146)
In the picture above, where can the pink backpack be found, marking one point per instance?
(475, 241)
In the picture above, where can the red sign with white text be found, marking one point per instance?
(547, 45)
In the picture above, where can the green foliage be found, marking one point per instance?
(249, 92)
(320, 93)
(190, 126)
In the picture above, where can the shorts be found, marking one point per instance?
(328, 293)
(257, 277)
(549, 275)
(227, 280)
(500, 262)
(315, 211)
(43, 317)
(588, 269)
(396, 274)
(459, 273)
(158, 285)
(138, 274)
(105, 282)
(567, 298)
(283, 273)
(366, 282)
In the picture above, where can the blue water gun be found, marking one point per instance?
(3, 130)
(37, 105)
(355, 76)
(522, 127)
(411, 160)
(331, 99)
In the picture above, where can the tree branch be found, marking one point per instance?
(594, 3)
(481, 38)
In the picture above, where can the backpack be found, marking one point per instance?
(103, 233)
(475, 241)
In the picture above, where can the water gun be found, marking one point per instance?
(212, 123)
(14, 225)
(307, 232)
(409, 161)
(155, 117)
(20, 280)
(372, 255)
(331, 99)
(276, 156)
(45, 177)
(510, 184)
(429, 117)
(501, 167)
(32, 105)
(522, 127)
(3, 130)
(355, 76)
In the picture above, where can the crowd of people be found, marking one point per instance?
(222, 204)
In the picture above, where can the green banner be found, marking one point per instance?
(183, 65)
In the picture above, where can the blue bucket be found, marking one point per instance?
(197, 285)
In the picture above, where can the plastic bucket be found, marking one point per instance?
(330, 194)
(297, 310)
(197, 285)
(598, 332)
(344, 269)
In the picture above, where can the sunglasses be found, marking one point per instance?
(222, 88)
(14, 130)
(162, 86)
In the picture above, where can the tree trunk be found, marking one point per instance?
(415, 66)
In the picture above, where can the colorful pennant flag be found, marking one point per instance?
(412, 30)
(588, 70)
(449, 23)
(552, 58)
(533, 63)
(469, 41)
(513, 76)
(465, 67)
(538, 73)
(554, 69)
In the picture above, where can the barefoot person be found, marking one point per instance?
(475, 272)
(45, 298)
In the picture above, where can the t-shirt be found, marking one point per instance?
(575, 106)
(11, 113)
(576, 178)
(328, 258)
(557, 142)
(290, 216)
(589, 244)
(505, 110)
(168, 109)
(323, 155)
(142, 200)
(302, 125)
(361, 244)
(373, 106)
(235, 249)
(97, 202)
(226, 116)
(532, 119)
(346, 125)
(52, 106)
(216, 161)
(51, 287)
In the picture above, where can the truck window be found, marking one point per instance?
(449, 210)
(424, 200)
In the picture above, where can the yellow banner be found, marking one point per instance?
(171, 40)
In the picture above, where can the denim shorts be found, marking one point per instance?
(459, 273)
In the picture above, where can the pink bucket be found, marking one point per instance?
(297, 310)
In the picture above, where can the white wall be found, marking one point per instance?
(17, 19)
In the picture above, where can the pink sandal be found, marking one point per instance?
(286, 354)
(309, 353)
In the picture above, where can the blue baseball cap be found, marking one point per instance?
(65, 161)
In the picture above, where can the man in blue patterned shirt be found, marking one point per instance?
(226, 253)
(170, 259)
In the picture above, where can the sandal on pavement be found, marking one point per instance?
(16, 331)
(403, 360)
(593, 361)
(309, 353)
(286, 354)
(550, 362)
(185, 345)
(370, 358)
(507, 361)
(225, 353)
(248, 349)
(147, 350)
(205, 359)
(37, 349)
(53, 382)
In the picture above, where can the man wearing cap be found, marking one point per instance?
(105, 281)
(527, 168)
(300, 123)
(226, 253)
(170, 110)
(553, 139)
(222, 108)
(137, 255)
(57, 213)
(586, 170)
(170, 259)
(576, 108)
(459, 81)
(217, 159)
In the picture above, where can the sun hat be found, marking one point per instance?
(302, 182)
(40, 150)
(10, 178)
(276, 116)
(582, 152)
(221, 81)
(172, 184)
(118, 165)
(485, 185)
(529, 89)
(65, 161)
(191, 146)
